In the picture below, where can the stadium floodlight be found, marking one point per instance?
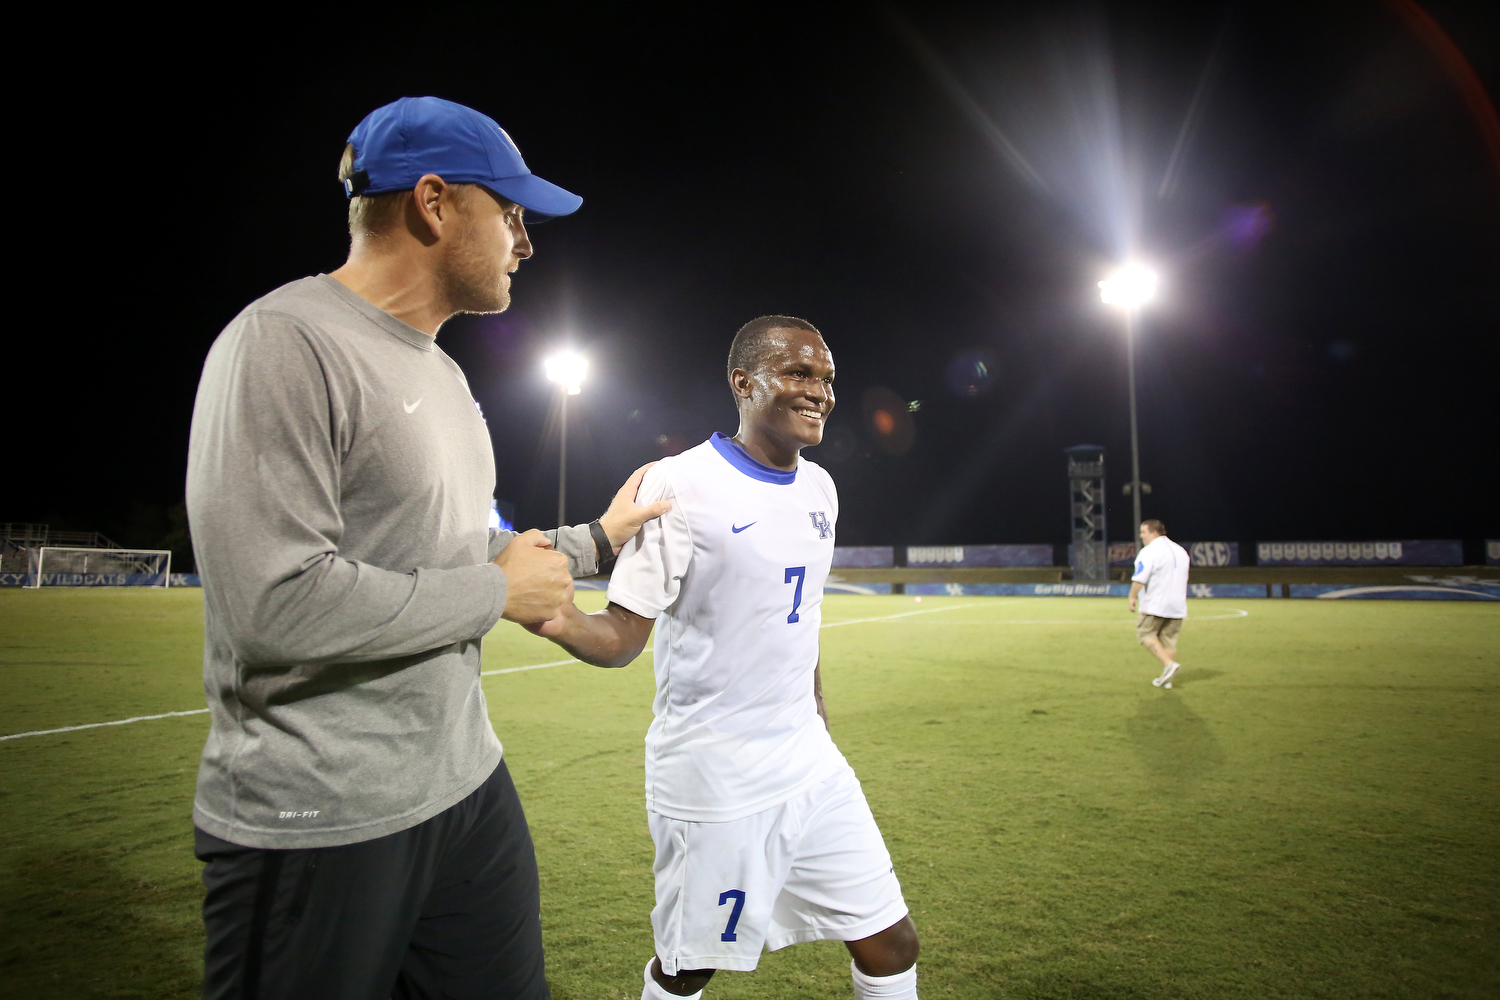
(1131, 287)
(567, 369)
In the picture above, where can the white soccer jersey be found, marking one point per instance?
(1163, 567)
(734, 576)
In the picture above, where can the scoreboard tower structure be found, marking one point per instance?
(1088, 541)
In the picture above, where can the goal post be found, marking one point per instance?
(61, 566)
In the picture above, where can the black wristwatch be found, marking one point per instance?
(602, 546)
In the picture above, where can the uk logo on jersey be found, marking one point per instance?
(821, 522)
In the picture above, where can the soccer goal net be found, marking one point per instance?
(56, 566)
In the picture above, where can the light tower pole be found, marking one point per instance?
(567, 370)
(1130, 288)
(562, 466)
(1135, 438)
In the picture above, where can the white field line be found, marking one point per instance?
(535, 666)
(904, 614)
(96, 725)
(483, 673)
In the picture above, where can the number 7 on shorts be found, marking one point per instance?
(738, 895)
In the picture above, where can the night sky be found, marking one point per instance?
(934, 186)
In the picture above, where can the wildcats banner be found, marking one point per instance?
(98, 580)
(978, 555)
(1425, 552)
(84, 580)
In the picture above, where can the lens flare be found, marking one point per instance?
(970, 373)
(1247, 225)
(888, 420)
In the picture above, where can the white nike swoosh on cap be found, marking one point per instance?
(411, 407)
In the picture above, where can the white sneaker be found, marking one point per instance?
(1165, 680)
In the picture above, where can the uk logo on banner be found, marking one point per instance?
(821, 522)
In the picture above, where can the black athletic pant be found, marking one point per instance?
(449, 908)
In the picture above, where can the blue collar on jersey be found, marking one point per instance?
(740, 459)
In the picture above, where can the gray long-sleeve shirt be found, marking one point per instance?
(339, 485)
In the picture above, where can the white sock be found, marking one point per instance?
(653, 990)
(901, 986)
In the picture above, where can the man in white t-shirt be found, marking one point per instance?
(1161, 568)
(763, 836)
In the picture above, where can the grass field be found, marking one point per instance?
(1312, 811)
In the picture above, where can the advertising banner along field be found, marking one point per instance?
(1421, 552)
(864, 556)
(1202, 553)
(1455, 589)
(99, 580)
(979, 555)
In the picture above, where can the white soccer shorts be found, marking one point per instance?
(813, 868)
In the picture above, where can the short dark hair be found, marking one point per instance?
(749, 347)
(1157, 528)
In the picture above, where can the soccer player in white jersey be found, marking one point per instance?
(1161, 569)
(763, 836)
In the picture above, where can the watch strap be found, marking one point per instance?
(602, 546)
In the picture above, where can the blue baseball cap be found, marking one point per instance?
(395, 145)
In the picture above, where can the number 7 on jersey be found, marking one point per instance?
(800, 572)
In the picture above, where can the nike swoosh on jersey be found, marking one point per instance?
(740, 529)
(412, 407)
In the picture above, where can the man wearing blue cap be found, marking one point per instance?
(361, 834)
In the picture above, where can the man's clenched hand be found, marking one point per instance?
(537, 582)
(624, 518)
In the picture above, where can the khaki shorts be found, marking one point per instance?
(1165, 630)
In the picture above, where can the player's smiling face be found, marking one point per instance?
(786, 401)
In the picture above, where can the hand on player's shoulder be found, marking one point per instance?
(634, 504)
